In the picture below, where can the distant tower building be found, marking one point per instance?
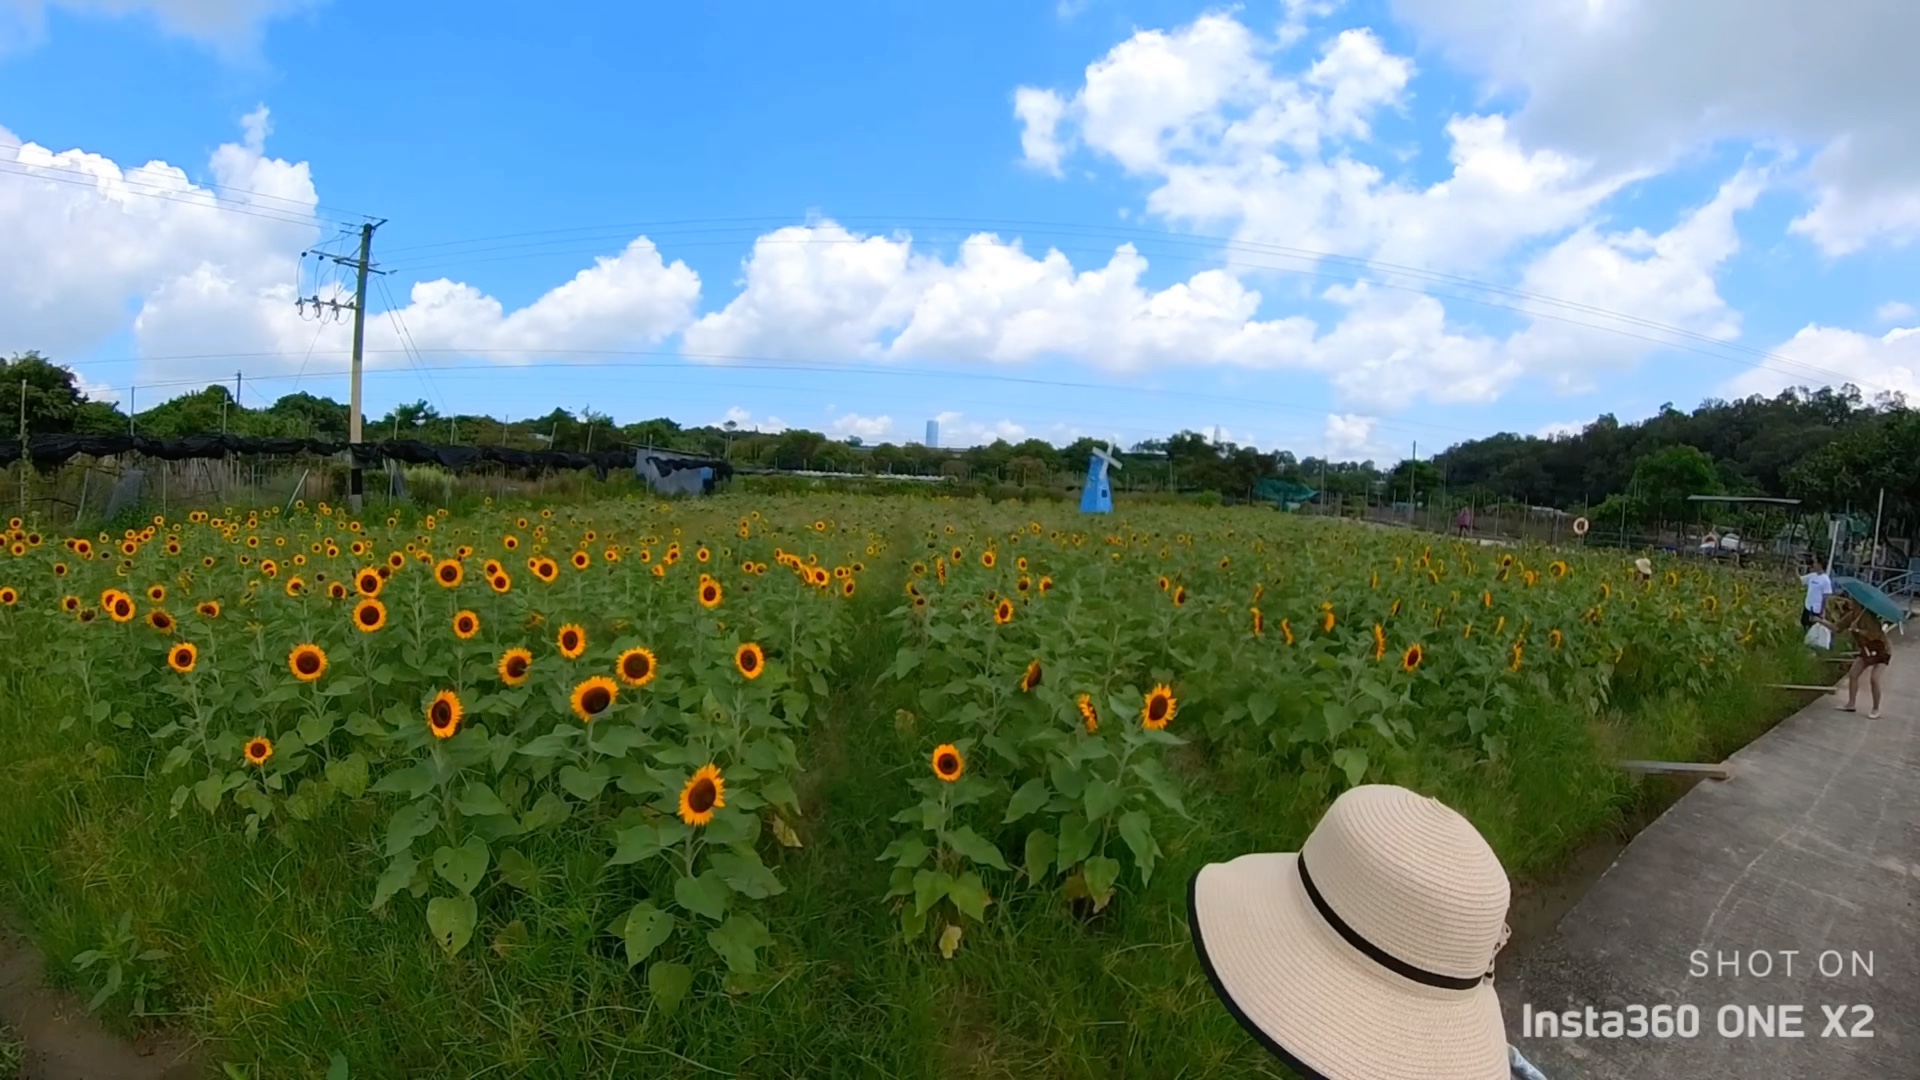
(933, 434)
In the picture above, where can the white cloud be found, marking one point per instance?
(1234, 141)
(1639, 84)
(210, 271)
(1664, 280)
(1039, 112)
(226, 24)
(866, 428)
(958, 431)
(1893, 311)
(746, 421)
(1563, 430)
(1349, 436)
(1889, 363)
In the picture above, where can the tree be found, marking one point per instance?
(1664, 479)
(54, 402)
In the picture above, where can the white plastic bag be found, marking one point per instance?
(1819, 637)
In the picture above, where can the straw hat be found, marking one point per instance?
(1368, 955)
(1644, 565)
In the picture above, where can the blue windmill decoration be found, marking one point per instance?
(1097, 496)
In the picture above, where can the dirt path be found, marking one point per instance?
(63, 1041)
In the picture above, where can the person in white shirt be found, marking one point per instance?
(1819, 587)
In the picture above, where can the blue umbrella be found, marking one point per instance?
(1872, 599)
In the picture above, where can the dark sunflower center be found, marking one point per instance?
(440, 714)
(447, 573)
(636, 666)
(182, 657)
(569, 642)
(1157, 708)
(256, 750)
(707, 594)
(596, 700)
(369, 615)
(749, 660)
(701, 796)
(516, 666)
(466, 626)
(307, 662)
(949, 764)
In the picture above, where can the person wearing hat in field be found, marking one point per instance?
(1368, 955)
(1643, 569)
(1872, 653)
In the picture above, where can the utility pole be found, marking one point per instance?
(362, 265)
(133, 406)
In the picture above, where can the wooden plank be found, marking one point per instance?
(1720, 771)
(1797, 686)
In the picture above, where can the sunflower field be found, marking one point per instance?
(691, 752)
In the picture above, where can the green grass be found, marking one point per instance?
(275, 958)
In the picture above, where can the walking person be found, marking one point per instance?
(1872, 652)
(1369, 954)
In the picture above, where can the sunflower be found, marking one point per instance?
(1179, 596)
(1088, 716)
(368, 582)
(395, 561)
(156, 593)
(1517, 653)
(1158, 709)
(1326, 620)
(1379, 641)
(465, 625)
(1259, 622)
(572, 640)
(296, 587)
(749, 660)
(1411, 659)
(592, 697)
(1286, 630)
(1606, 590)
(9, 596)
(710, 594)
(182, 657)
(1165, 584)
(449, 573)
(70, 604)
(705, 792)
(948, 763)
(1558, 568)
(307, 662)
(702, 555)
(1031, 678)
(1555, 639)
(1046, 584)
(1003, 613)
(500, 582)
(258, 751)
(369, 615)
(160, 620)
(59, 569)
(581, 560)
(987, 558)
(636, 667)
(514, 665)
(337, 590)
(444, 713)
(545, 569)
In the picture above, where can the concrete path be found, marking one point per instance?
(1795, 883)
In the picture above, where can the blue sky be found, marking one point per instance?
(509, 148)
